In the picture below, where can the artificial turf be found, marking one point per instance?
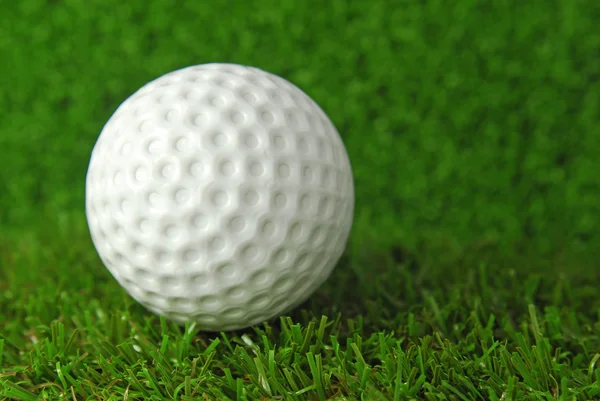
(473, 128)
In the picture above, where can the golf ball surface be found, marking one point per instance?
(220, 194)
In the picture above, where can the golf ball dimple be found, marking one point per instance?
(220, 194)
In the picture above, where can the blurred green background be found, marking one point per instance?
(468, 123)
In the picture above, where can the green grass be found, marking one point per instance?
(472, 272)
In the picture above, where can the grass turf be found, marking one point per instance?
(473, 128)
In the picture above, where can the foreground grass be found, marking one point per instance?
(322, 360)
(473, 128)
(411, 330)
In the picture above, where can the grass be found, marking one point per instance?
(473, 128)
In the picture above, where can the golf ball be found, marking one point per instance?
(219, 194)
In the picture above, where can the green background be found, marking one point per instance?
(465, 121)
(473, 128)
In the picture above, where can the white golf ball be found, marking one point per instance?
(220, 194)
